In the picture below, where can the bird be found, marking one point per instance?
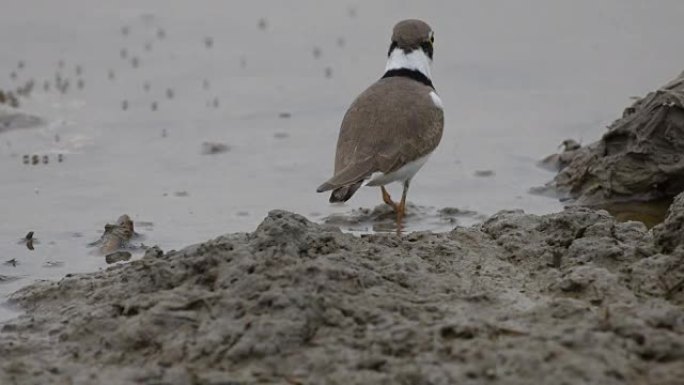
(391, 129)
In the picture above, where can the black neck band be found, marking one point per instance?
(412, 74)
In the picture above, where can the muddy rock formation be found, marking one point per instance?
(557, 162)
(116, 236)
(669, 235)
(641, 157)
(574, 296)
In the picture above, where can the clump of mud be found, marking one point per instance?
(573, 296)
(641, 157)
(669, 235)
(116, 236)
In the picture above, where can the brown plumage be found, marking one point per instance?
(380, 133)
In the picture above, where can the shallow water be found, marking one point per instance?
(272, 80)
(649, 213)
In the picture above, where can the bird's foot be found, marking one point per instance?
(401, 213)
(388, 199)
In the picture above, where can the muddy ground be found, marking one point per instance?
(574, 296)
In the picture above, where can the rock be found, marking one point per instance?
(518, 299)
(153, 252)
(116, 236)
(117, 256)
(670, 234)
(641, 157)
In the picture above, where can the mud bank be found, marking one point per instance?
(575, 296)
(638, 158)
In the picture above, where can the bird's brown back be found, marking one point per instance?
(393, 122)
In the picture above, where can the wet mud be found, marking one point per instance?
(382, 218)
(518, 299)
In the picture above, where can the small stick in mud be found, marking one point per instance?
(11, 262)
(29, 240)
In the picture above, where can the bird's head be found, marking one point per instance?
(412, 46)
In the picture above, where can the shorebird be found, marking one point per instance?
(391, 129)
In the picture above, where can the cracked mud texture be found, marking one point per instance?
(574, 296)
(639, 158)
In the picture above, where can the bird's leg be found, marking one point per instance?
(388, 199)
(401, 207)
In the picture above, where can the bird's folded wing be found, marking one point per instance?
(350, 174)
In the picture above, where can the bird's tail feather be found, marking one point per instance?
(350, 175)
(342, 194)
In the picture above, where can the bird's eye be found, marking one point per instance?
(432, 39)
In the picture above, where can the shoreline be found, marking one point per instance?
(574, 293)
